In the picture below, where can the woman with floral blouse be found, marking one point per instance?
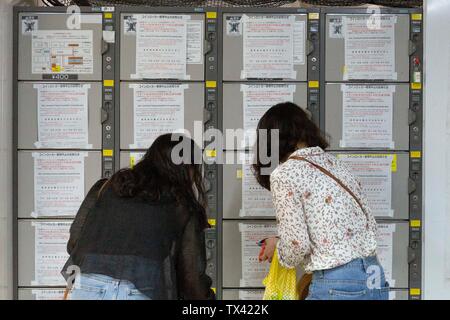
(324, 222)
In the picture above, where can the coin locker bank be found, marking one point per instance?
(93, 92)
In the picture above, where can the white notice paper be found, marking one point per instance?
(385, 253)
(161, 46)
(375, 174)
(299, 42)
(158, 109)
(369, 53)
(367, 116)
(50, 252)
(268, 47)
(256, 200)
(62, 51)
(253, 272)
(257, 99)
(58, 183)
(62, 115)
(48, 294)
(195, 42)
(251, 294)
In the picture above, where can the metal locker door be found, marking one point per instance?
(41, 294)
(400, 114)
(233, 45)
(56, 21)
(399, 182)
(25, 181)
(232, 253)
(28, 114)
(193, 110)
(335, 47)
(195, 71)
(400, 240)
(233, 105)
(27, 255)
(232, 183)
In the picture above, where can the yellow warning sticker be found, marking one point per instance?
(239, 173)
(212, 222)
(211, 15)
(313, 16)
(56, 68)
(416, 85)
(415, 154)
(211, 153)
(108, 15)
(211, 84)
(108, 152)
(415, 223)
(108, 83)
(132, 161)
(313, 84)
(416, 16)
(414, 291)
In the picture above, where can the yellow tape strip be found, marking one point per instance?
(211, 153)
(416, 85)
(211, 84)
(416, 16)
(108, 152)
(415, 223)
(108, 83)
(414, 291)
(313, 84)
(415, 154)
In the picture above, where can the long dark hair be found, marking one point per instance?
(295, 126)
(157, 175)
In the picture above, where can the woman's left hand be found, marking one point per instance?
(270, 245)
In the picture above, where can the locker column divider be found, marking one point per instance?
(117, 57)
(322, 66)
(210, 119)
(416, 155)
(109, 151)
(15, 224)
(314, 61)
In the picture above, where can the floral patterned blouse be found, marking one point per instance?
(320, 225)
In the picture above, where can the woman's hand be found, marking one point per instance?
(269, 249)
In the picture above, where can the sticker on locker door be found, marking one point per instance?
(62, 51)
(50, 252)
(253, 272)
(367, 116)
(385, 253)
(157, 109)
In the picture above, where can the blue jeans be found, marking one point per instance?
(360, 279)
(101, 287)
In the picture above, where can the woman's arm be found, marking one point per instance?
(193, 283)
(294, 243)
(77, 225)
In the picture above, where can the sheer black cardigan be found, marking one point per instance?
(158, 246)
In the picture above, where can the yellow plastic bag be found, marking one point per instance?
(281, 282)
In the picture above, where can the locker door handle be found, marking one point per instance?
(208, 47)
(411, 186)
(412, 117)
(207, 185)
(412, 47)
(309, 47)
(103, 116)
(411, 255)
(207, 115)
(105, 47)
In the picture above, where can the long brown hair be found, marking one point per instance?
(157, 176)
(294, 127)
